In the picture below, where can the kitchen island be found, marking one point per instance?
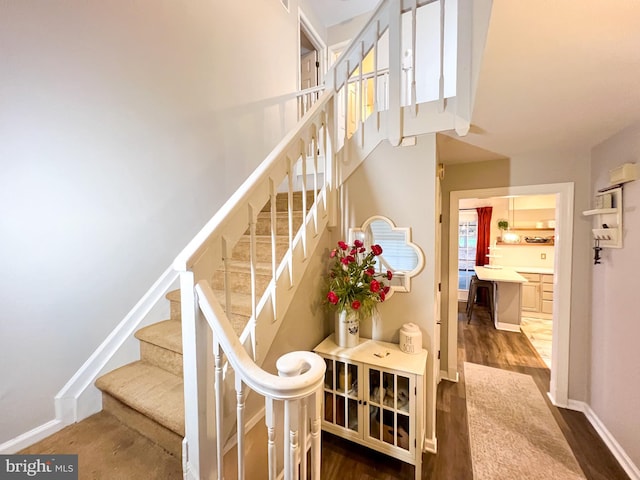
(507, 295)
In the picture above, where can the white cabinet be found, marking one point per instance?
(374, 396)
(537, 294)
(531, 292)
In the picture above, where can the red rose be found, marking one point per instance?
(370, 271)
(358, 243)
(333, 253)
(362, 250)
(333, 298)
(353, 251)
(376, 249)
(355, 304)
(389, 274)
(344, 260)
(342, 245)
(382, 296)
(386, 290)
(375, 286)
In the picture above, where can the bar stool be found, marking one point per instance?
(474, 285)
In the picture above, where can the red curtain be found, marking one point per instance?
(484, 235)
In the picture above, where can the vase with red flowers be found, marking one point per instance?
(355, 288)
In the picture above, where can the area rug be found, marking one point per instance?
(512, 432)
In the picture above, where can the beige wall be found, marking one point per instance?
(124, 127)
(399, 183)
(533, 169)
(615, 356)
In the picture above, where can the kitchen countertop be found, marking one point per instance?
(499, 275)
(544, 270)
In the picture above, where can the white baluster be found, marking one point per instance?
(315, 411)
(290, 217)
(274, 240)
(441, 100)
(270, 420)
(303, 422)
(395, 73)
(240, 426)
(219, 388)
(303, 158)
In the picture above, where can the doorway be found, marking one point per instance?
(559, 386)
(312, 53)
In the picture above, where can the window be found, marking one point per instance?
(467, 241)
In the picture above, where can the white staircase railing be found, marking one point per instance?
(374, 75)
(299, 387)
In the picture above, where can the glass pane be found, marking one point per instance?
(374, 386)
(389, 391)
(403, 394)
(328, 374)
(388, 427)
(403, 432)
(328, 407)
(374, 422)
(353, 380)
(340, 377)
(340, 410)
(353, 414)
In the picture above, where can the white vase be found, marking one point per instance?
(347, 329)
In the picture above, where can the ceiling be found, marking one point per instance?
(556, 75)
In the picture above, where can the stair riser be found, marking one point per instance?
(282, 202)
(240, 282)
(263, 225)
(263, 251)
(165, 438)
(161, 357)
(175, 310)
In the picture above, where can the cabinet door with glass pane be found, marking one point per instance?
(390, 406)
(341, 401)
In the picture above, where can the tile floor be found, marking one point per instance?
(538, 331)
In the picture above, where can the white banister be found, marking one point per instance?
(301, 377)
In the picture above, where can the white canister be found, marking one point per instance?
(410, 338)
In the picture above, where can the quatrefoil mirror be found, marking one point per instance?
(399, 254)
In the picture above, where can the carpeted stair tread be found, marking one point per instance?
(173, 295)
(166, 334)
(149, 390)
(262, 268)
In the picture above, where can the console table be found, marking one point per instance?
(374, 396)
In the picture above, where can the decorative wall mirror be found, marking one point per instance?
(399, 254)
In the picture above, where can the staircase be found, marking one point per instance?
(148, 395)
(240, 273)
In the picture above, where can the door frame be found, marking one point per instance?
(559, 385)
(306, 26)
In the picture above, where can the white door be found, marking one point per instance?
(309, 70)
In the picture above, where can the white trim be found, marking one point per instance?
(616, 449)
(449, 376)
(32, 436)
(305, 25)
(68, 400)
(507, 327)
(430, 445)
(559, 385)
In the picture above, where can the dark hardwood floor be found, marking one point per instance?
(478, 342)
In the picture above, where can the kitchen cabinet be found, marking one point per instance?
(531, 292)
(374, 396)
(537, 293)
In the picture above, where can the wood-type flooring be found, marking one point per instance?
(479, 342)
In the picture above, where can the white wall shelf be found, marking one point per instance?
(607, 221)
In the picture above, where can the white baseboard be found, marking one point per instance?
(32, 436)
(509, 327)
(450, 376)
(430, 445)
(616, 449)
(78, 398)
